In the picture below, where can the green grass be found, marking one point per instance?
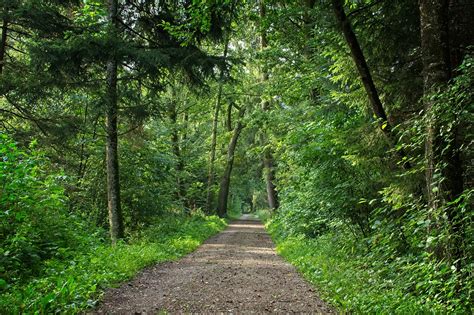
(264, 214)
(357, 283)
(77, 284)
(233, 214)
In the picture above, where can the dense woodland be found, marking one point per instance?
(347, 125)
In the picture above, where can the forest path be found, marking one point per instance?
(235, 271)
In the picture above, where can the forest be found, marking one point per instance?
(133, 130)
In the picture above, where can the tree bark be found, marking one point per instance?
(268, 160)
(268, 167)
(362, 68)
(308, 52)
(228, 121)
(3, 43)
(225, 181)
(435, 76)
(181, 192)
(215, 120)
(444, 181)
(113, 180)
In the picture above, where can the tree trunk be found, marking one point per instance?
(183, 148)
(268, 160)
(3, 43)
(308, 52)
(113, 182)
(181, 192)
(228, 121)
(268, 167)
(435, 76)
(444, 182)
(215, 120)
(363, 68)
(225, 181)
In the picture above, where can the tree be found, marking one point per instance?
(444, 174)
(268, 160)
(3, 42)
(436, 75)
(113, 177)
(226, 176)
(134, 47)
(363, 69)
(174, 111)
(215, 120)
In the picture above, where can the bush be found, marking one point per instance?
(76, 284)
(357, 280)
(35, 225)
(52, 261)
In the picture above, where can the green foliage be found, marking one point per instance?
(388, 262)
(354, 215)
(52, 261)
(147, 183)
(356, 281)
(77, 283)
(235, 210)
(264, 214)
(35, 225)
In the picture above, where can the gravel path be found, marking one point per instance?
(236, 271)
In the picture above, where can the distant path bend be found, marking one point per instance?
(235, 271)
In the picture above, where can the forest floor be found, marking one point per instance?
(235, 271)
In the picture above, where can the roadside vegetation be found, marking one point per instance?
(53, 262)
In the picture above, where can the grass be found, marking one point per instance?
(233, 213)
(264, 214)
(357, 283)
(77, 284)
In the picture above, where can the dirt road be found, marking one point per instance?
(236, 271)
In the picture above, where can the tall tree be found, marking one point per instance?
(362, 67)
(436, 73)
(215, 120)
(444, 180)
(176, 143)
(113, 175)
(225, 180)
(3, 42)
(268, 160)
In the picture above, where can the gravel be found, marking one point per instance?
(236, 271)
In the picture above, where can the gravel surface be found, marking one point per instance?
(235, 271)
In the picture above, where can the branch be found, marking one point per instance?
(20, 32)
(16, 49)
(357, 11)
(294, 23)
(13, 113)
(130, 130)
(27, 114)
(137, 33)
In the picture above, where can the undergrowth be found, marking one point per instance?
(75, 284)
(264, 214)
(355, 281)
(234, 213)
(55, 261)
